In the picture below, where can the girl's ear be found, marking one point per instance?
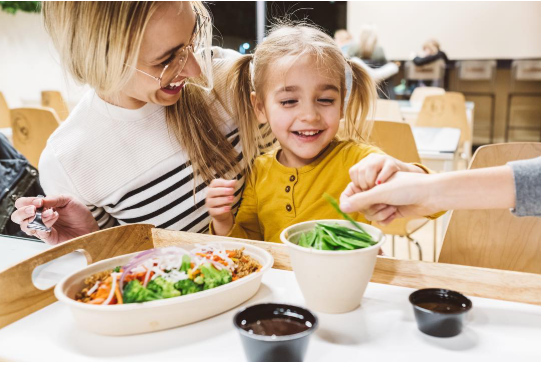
(258, 107)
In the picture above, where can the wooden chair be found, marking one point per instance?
(495, 238)
(396, 139)
(388, 110)
(420, 93)
(4, 113)
(31, 129)
(448, 110)
(433, 72)
(53, 99)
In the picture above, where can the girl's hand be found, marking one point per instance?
(219, 201)
(67, 217)
(376, 169)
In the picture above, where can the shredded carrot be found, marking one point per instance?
(117, 294)
(97, 301)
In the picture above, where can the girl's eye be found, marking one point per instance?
(326, 101)
(288, 102)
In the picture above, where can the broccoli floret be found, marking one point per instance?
(185, 263)
(162, 287)
(198, 279)
(213, 278)
(187, 286)
(117, 269)
(135, 292)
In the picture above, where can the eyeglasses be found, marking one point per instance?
(174, 67)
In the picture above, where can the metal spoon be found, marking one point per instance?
(37, 223)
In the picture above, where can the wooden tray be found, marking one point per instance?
(20, 297)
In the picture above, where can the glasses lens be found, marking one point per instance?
(174, 68)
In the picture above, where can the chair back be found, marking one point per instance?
(431, 71)
(494, 238)
(525, 70)
(54, 100)
(448, 110)
(420, 93)
(4, 113)
(388, 110)
(397, 140)
(31, 129)
(476, 70)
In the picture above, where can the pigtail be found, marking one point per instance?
(359, 114)
(240, 81)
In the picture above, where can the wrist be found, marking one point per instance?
(221, 227)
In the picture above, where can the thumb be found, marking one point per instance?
(359, 201)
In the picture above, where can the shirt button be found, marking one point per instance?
(288, 207)
(292, 178)
(287, 189)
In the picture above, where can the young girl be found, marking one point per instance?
(296, 83)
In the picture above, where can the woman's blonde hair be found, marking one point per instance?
(98, 40)
(290, 39)
(367, 41)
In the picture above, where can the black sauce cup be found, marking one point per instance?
(440, 312)
(267, 348)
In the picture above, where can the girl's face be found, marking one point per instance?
(170, 28)
(303, 107)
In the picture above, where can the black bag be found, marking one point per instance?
(17, 178)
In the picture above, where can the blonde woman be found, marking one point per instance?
(142, 146)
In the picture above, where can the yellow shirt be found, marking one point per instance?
(277, 196)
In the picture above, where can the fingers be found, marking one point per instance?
(26, 201)
(350, 190)
(383, 214)
(387, 171)
(221, 183)
(26, 212)
(389, 219)
(219, 192)
(49, 217)
(219, 212)
(359, 202)
(219, 201)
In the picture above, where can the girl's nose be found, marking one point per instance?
(309, 114)
(191, 68)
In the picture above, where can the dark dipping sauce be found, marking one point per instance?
(443, 306)
(276, 327)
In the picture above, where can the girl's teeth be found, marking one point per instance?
(308, 133)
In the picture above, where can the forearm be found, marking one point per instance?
(489, 188)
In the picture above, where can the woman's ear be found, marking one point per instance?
(258, 107)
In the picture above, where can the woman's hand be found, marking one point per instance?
(403, 195)
(67, 217)
(376, 169)
(219, 201)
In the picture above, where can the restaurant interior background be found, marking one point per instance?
(503, 106)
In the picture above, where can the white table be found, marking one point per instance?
(382, 329)
(437, 147)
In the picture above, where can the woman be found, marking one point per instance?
(130, 149)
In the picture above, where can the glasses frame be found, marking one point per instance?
(200, 19)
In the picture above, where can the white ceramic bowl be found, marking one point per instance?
(332, 281)
(128, 319)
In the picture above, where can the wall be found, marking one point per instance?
(29, 63)
(466, 30)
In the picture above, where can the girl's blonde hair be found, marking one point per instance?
(99, 41)
(367, 41)
(289, 39)
(432, 46)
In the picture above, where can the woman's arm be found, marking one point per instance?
(422, 194)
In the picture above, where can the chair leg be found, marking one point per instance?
(435, 240)
(409, 253)
(492, 119)
(508, 115)
(393, 246)
(410, 239)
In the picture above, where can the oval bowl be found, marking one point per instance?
(133, 318)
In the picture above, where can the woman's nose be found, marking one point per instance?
(191, 68)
